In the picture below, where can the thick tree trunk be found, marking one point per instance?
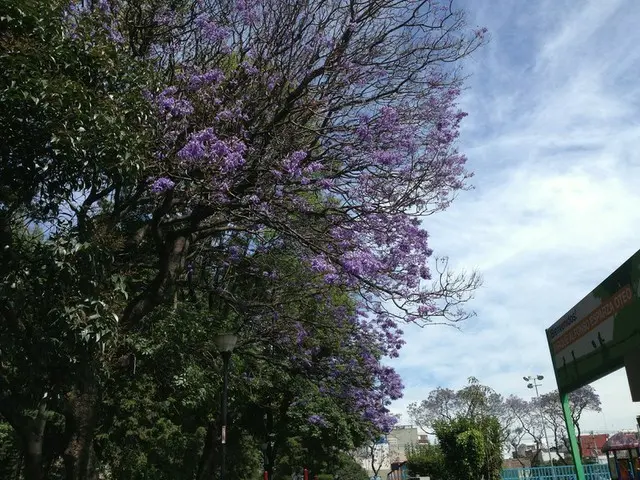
(34, 439)
(80, 419)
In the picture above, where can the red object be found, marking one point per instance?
(592, 444)
(306, 474)
(315, 477)
(266, 475)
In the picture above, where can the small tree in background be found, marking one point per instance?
(471, 447)
(426, 460)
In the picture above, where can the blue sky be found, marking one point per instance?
(553, 136)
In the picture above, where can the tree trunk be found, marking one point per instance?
(33, 439)
(578, 435)
(80, 419)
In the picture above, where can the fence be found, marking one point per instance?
(564, 472)
(401, 472)
(560, 472)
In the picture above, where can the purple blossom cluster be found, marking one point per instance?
(211, 77)
(206, 148)
(249, 69)
(211, 30)
(162, 184)
(106, 14)
(351, 372)
(317, 420)
(247, 10)
(169, 102)
(369, 399)
(368, 184)
(165, 17)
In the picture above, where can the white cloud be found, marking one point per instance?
(553, 136)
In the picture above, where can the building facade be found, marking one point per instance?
(389, 449)
(399, 439)
(591, 446)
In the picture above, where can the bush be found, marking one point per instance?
(426, 460)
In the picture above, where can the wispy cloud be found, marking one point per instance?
(554, 138)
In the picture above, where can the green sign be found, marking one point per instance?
(592, 339)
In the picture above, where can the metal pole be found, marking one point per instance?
(223, 434)
(571, 432)
(544, 428)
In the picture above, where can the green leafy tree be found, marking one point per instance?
(10, 461)
(426, 460)
(474, 399)
(471, 447)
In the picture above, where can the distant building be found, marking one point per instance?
(592, 445)
(530, 451)
(389, 449)
(516, 463)
(399, 439)
(591, 449)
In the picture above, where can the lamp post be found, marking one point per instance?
(225, 342)
(533, 383)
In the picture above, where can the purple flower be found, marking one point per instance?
(211, 77)
(272, 80)
(204, 146)
(292, 165)
(174, 106)
(211, 31)
(247, 11)
(162, 184)
(301, 333)
(317, 420)
(248, 68)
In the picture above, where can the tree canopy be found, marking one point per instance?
(171, 170)
(519, 421)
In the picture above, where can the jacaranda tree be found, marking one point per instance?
(156, 152)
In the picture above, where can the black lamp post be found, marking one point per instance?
(225, 343)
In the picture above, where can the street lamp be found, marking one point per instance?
(225, 342)
(533, 383)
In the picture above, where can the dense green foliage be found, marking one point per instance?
(471, 447)
(427, 461)
(471, 425)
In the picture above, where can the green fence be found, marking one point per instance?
(564, 472)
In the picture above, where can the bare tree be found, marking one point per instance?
(440, 404)
(581, 400)
(375, 455)
(527, 422)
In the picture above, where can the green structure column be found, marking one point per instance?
(573, 441)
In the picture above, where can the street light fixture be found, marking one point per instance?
(533, 383)
(225, 342)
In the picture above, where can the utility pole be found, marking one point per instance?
(533, 383)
